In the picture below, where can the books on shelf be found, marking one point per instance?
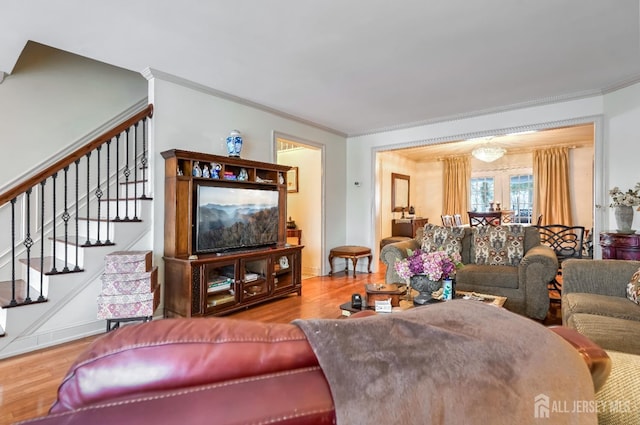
(219, 284)
(250, 277)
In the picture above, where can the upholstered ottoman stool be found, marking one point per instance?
(352, 252)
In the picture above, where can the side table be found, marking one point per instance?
(620, 246)
(295, 233)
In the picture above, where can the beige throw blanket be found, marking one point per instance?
(459, 362)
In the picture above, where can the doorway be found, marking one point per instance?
(423, 161)
(304, 198)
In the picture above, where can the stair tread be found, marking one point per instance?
(103, 219)
(135, 181)
(146, 198)
(71, 240)
(21, 292)
(47, 264)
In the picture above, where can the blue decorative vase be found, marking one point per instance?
(234, 143)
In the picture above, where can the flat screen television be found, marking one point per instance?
(234, 217)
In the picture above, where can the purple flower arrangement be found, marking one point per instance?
(435, 265)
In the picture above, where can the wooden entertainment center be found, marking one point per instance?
(217, 283)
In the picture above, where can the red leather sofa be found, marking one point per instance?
(212, 371)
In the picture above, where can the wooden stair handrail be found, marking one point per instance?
(74, 156)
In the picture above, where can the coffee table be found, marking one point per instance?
(405, 304)
(496, 300)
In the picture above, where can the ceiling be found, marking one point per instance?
(573, 136)
(353, 67)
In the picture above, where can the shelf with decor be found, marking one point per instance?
(225, 236)
(284, 271)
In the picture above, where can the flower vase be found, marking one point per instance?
(234, 143)
(425, 286)
(624, 218)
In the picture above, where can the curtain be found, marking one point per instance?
(551, 185)
(457, 175)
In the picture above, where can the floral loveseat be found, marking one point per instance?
(506, 260)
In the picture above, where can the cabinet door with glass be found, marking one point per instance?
(220, 286)
(285, 275)
(253, 278)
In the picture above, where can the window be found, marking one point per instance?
(482, 193)
(511, 189)
(521, 197)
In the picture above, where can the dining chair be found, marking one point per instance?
(507, 217)
(566, 242)
(457, 220)
(587, 249)
(492, 218)
(447, 220)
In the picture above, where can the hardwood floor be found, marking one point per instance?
(28, 382)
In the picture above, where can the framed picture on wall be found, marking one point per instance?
(292, 180)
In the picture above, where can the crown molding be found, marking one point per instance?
(487, 111)
(535, 102)
(547, 125)
(622, 84)
(150, 73)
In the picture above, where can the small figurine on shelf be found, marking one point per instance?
(280, 178)
(215, 170)
(179, 171)
(197, 172)
(205, 171)
(243, 175)
(291, 224)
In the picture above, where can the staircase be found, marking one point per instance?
(59, 226)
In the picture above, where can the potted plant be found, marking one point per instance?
(623, 202)
(426, 271)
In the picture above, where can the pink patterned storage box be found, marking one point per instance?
(128, 262)
(129, 283)
(129, 305)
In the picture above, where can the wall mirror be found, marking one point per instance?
(399, 192)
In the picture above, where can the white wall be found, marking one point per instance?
(622, 144)
(54, 98)
(361, 204)
(304, 206)
(191, 117)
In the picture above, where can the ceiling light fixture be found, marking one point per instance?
(488, 152)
